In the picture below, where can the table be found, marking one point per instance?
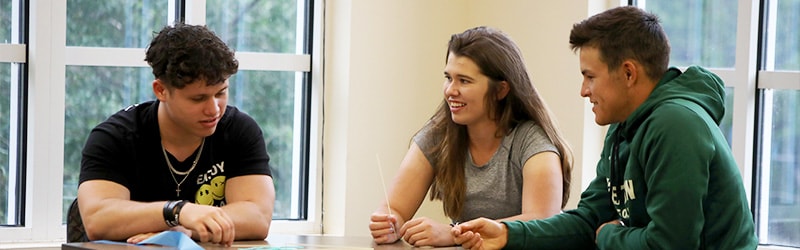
(274, 241)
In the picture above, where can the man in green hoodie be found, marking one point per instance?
(666, 178)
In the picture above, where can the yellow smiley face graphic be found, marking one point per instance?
(218, 187)
(204, 195)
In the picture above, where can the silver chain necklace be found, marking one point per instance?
(173, 171)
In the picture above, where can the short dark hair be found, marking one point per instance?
(625, 33)
(183, 53)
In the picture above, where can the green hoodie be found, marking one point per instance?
(666, 172)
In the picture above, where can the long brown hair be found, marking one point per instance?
(499, 58)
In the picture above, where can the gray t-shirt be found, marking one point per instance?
(495, 190)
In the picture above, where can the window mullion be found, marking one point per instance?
(745, 90)
(195, 12)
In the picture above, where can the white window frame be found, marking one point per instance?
(769, 78)
(44, 156)
(13, 53)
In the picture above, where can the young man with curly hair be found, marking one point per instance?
(186, 161)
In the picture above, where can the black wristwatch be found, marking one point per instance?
(172, 212)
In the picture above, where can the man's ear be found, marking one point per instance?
(630, 72)
(503, 89)
(159, 90)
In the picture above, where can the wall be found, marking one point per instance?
(383, 74)
(541, 29)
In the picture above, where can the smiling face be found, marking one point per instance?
(606, 90)
(193, 110)
(465, 90)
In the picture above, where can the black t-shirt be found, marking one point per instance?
(126, 149)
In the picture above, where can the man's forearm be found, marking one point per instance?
(116, 219)
(251, 220)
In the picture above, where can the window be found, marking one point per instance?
(272, 85)
(707, 33)
(779, 203)
(779, 155)
(85, 61)
(12, 64)
(701, 33)
(263, 30)
(112, 85)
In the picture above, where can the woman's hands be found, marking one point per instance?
(426, 232)
(423, 231)
(383, 228)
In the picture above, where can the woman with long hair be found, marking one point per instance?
(492, 149)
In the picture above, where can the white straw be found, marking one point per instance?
(386, 196)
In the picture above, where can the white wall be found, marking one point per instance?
(541, 29)
(383, 75)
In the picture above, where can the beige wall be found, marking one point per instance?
(382, 80)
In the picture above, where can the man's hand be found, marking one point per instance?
(426, 232)
(597, 232)
(480, 233)
(208, 224)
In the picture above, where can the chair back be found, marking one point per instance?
(75, 230)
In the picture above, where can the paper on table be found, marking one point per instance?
(174, 239)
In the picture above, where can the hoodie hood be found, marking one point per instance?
(696, 84)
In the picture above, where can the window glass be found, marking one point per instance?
(93, 94)
(114, 23)
(780, 169)
(5, 21)
(269, 97)
(255, 26)
(5, 77)
(7, 174)
(726, 125)
(10, 177)
(700, 32)
(787, 32)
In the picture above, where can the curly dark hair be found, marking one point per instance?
(183, 53)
